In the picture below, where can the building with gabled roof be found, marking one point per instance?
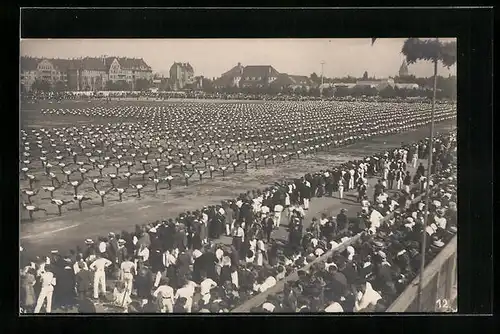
(294, 82)
(230, 78)
(258, 76)
(181, 75)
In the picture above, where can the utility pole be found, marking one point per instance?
(321, 87)
(427, 191)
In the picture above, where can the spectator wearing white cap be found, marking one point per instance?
(278, 209)
(121, 253)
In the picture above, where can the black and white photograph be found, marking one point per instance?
(271, 175)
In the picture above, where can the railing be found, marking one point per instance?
(439, 284)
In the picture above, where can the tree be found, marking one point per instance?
(365, 75)
(314, 92)
(207, 85)
(41, 85)
(60, 86)
(329, 92)
(342, 91)
(314, 78)
(142, 84)
(388, 92)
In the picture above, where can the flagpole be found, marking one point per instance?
(427, 191)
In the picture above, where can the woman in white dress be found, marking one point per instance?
(261, 249)
(341, 188)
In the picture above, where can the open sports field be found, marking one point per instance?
(153, 153)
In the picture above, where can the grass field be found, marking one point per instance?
(65, 232)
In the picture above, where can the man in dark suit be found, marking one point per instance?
(342, 222)
(83, 280)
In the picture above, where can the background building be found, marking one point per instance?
(89, 73)
(258, 76)
(181, 74)
(378, 84)
(230, 78)
(261, 76)
(403, 70)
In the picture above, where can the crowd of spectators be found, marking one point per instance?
(175, 265)
(155, 95)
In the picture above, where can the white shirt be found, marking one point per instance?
(440, 221)
(370, 297)
(100, 264)
(375, 218)
(323, 221)
(164, 291)
(264, 209)
(127, 267)
(239, 232)
(334, 308)
(301, 211)
(206, 285)
(144, 253)
(169, 259)
(268, 283)
(48, 280)
(268, 307)
(102, 247)
(278, 208)
(185, 292)
(219, 253)
(76, 266)
(260, 246)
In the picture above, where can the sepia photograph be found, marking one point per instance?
(268, 175)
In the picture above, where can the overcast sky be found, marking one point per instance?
(212, 57)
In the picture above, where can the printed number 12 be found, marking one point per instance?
(441, 304)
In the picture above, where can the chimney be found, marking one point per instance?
(239, 64)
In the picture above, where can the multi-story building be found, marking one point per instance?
(51, 71)
(181, 75)
(261, 76)
(89, 73)
(29, 72)
(128, 69)
(258, 76)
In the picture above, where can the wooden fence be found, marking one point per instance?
(439, 284)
